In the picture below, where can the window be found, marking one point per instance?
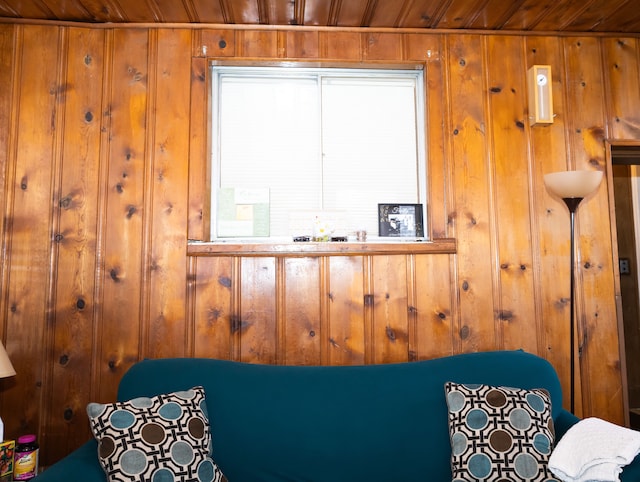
(297, 151)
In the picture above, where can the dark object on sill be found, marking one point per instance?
(340, 239)
(301, 239)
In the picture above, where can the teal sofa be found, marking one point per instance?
(328, 424)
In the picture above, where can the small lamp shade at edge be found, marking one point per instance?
(6, 368)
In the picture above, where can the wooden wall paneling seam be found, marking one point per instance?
(492, 202)
(621, 66)
(298, 12)
(412, 308)
(7, 53)
(239, 43)
(452, 211)
(324, 286)
(469, 156)
(170, 194)
(51, 317)
(227, 11)
(126, 177)
(511, 214)
(156, 12)
(9, 169)
(101, 222)
(190, 306)
(29, 284)
(281, 318)
(235, 317)
(198, 159)
(281, 42)
(76, 201)
(192, 12)
(368, 320)
(12, 92)
(302, 299)
(536, 186)
(148, 195)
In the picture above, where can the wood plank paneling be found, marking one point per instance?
(167, 220)
(622, 66)
(390, 289)
(347, 299)
(256, 320)
(428, 49)
(75, 210)
(471, 184)
(120, 319)
(28, 283)
(435, 330)
(104, 152)
(302, 312)
(599, 357)
(511, 199)
(213, 308)
(548, 151)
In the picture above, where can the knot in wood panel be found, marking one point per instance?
(391, 334)
(505, 315)
(65, 202)
(68, 414)
(224, 281)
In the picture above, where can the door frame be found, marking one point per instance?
(616, 267)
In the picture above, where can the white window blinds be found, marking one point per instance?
(328, 143)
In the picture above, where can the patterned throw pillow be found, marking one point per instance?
(160, 439)
(499, 433)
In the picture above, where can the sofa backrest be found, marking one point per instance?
(335, 423)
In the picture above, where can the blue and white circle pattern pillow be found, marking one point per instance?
(499, 434)
(159, 439)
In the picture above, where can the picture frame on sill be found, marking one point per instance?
(400, 220)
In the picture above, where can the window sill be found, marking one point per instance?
(290, 249)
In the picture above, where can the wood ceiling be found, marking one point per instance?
(528, 15)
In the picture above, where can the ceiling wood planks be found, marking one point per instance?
(519, 15)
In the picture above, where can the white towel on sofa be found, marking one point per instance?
(594, 450)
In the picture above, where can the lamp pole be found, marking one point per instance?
(572, 187)
(572, 203)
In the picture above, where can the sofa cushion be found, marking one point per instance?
(162, 438)
(499, 433)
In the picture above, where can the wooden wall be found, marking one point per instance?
(103, 148)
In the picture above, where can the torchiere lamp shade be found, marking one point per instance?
(573, 184)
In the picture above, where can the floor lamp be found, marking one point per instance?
(572, 187)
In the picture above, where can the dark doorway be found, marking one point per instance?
(626, 186)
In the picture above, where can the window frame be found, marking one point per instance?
(423, 174)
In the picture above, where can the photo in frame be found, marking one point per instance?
(400, 220)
